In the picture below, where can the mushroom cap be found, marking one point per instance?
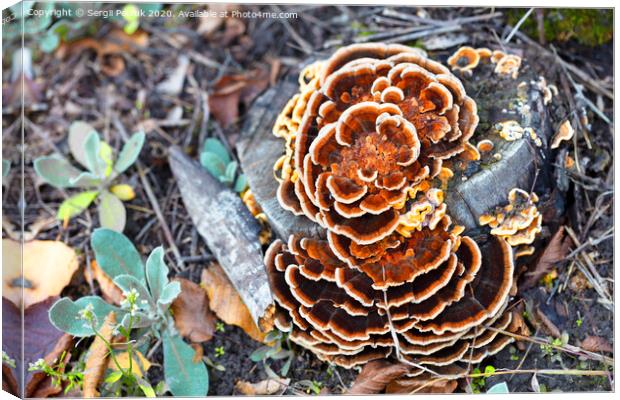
(565, 132)
(465, 58)
(376, 123)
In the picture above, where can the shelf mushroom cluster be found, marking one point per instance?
(367, 141)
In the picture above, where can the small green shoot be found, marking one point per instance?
(219, 351)
(279, 350)
(219, 326)
(57, 371)
(215, 158)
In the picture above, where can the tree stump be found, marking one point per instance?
(482, 186)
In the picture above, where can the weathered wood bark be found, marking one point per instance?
(469, 194)
(230, 230)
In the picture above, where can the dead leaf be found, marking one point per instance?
(191, 312)
(96, 360)
(596, 344)
(555, 252)
(231, 91)
(421, 384)
(139, 364)
(47, 268)
(109, 49)
(266, 387)
(40, 340)
(376, 375)
(226, 303)
(109, 291)
(548, 326)
(198, 352)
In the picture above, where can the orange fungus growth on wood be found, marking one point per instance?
(368, 141)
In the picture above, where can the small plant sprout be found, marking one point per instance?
(219, 326)
(6, 168)
(219, 351)
(280, 349)
(97, 181)
(579, 320)
(57, 371)
(478, 382)
(144, 314)
(215, 158)
(7, 360)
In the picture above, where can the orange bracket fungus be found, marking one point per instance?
(371, 142)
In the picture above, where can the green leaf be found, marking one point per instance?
(56, 171)
(78, 132)
(156, 272)
(112, 214)
(130, 151)
(184, 377)
(86, 180)
(76, 204)
(49, 42)
(92, 149)
(65, 315)
(146, 387)
(231, 170)
(128, 282)
(106, 155)
(213, 145)
(241, 184)
(260, 353)
(501, 387)
(6, 167)
(213, 164)
(114, 376)
(169, 293)
(116, 255)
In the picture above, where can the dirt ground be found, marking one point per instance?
(75, 87)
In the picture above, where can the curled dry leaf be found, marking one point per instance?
(96, 360)
(555, 252)
(40, 340)
(47, 268)
(191, 312)
(376, 375)
(596, 344)
(139, 366)
(262, 388)
(109, 291)
(231, 91)
(226, 303)
(109, 49)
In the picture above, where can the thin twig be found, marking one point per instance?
(518, 25)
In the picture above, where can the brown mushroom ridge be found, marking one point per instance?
(334, 310)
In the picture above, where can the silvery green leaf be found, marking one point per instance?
(86, 180)
(112, 214)
(130, 151)
(184, 377)
(213, 145)
(92, 153)
(56, 171)
(241, 184)
(156, 272)
(78, 132)
(501, 387)
(169, 293)
(139, 320)
(231, 170)
(65, 315)
(128, 282)
(213, 164)
(48, 42)
(116, 255)
(6, 167)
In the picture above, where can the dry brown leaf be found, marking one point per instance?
(555, 252)
(139, 364)
(231, 91)
(548, 326)
(96, 360)
(191, 312)
(47, 268)
(226, 302)
(376, 375)
(40, 340)
(266, 387)
(198, 352)
(421, 384)
(596, 344)
(109, 291)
